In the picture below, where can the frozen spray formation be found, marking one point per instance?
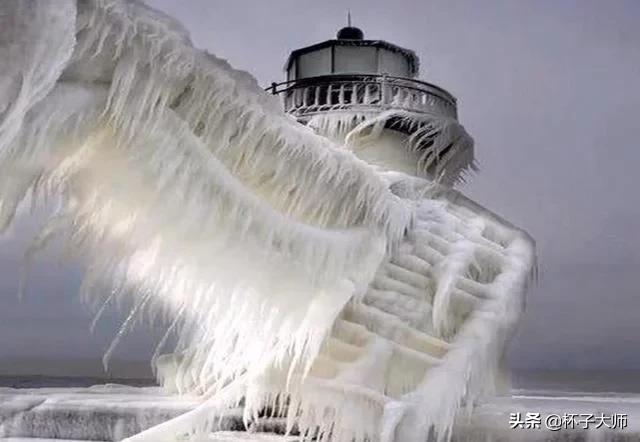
(352, 303)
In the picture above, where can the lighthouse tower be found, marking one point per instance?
(366, 94)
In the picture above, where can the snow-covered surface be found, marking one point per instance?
(490, 421)
(101, 412)
(38, 439)
(105, 406)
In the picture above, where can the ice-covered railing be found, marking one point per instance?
(307, 96)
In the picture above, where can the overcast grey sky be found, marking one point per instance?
(549, 90)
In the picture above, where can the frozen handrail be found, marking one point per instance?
(363, 92)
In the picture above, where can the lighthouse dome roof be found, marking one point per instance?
(350, 33)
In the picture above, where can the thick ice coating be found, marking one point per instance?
(299, 280)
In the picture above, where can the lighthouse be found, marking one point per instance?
(332, 300)
(366, 94)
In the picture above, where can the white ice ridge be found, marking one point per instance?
(299, 280)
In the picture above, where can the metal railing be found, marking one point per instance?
(308, 96)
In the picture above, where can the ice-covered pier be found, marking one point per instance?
(113, 412)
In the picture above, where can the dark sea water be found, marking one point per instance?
(34, 381)
(595, 382)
